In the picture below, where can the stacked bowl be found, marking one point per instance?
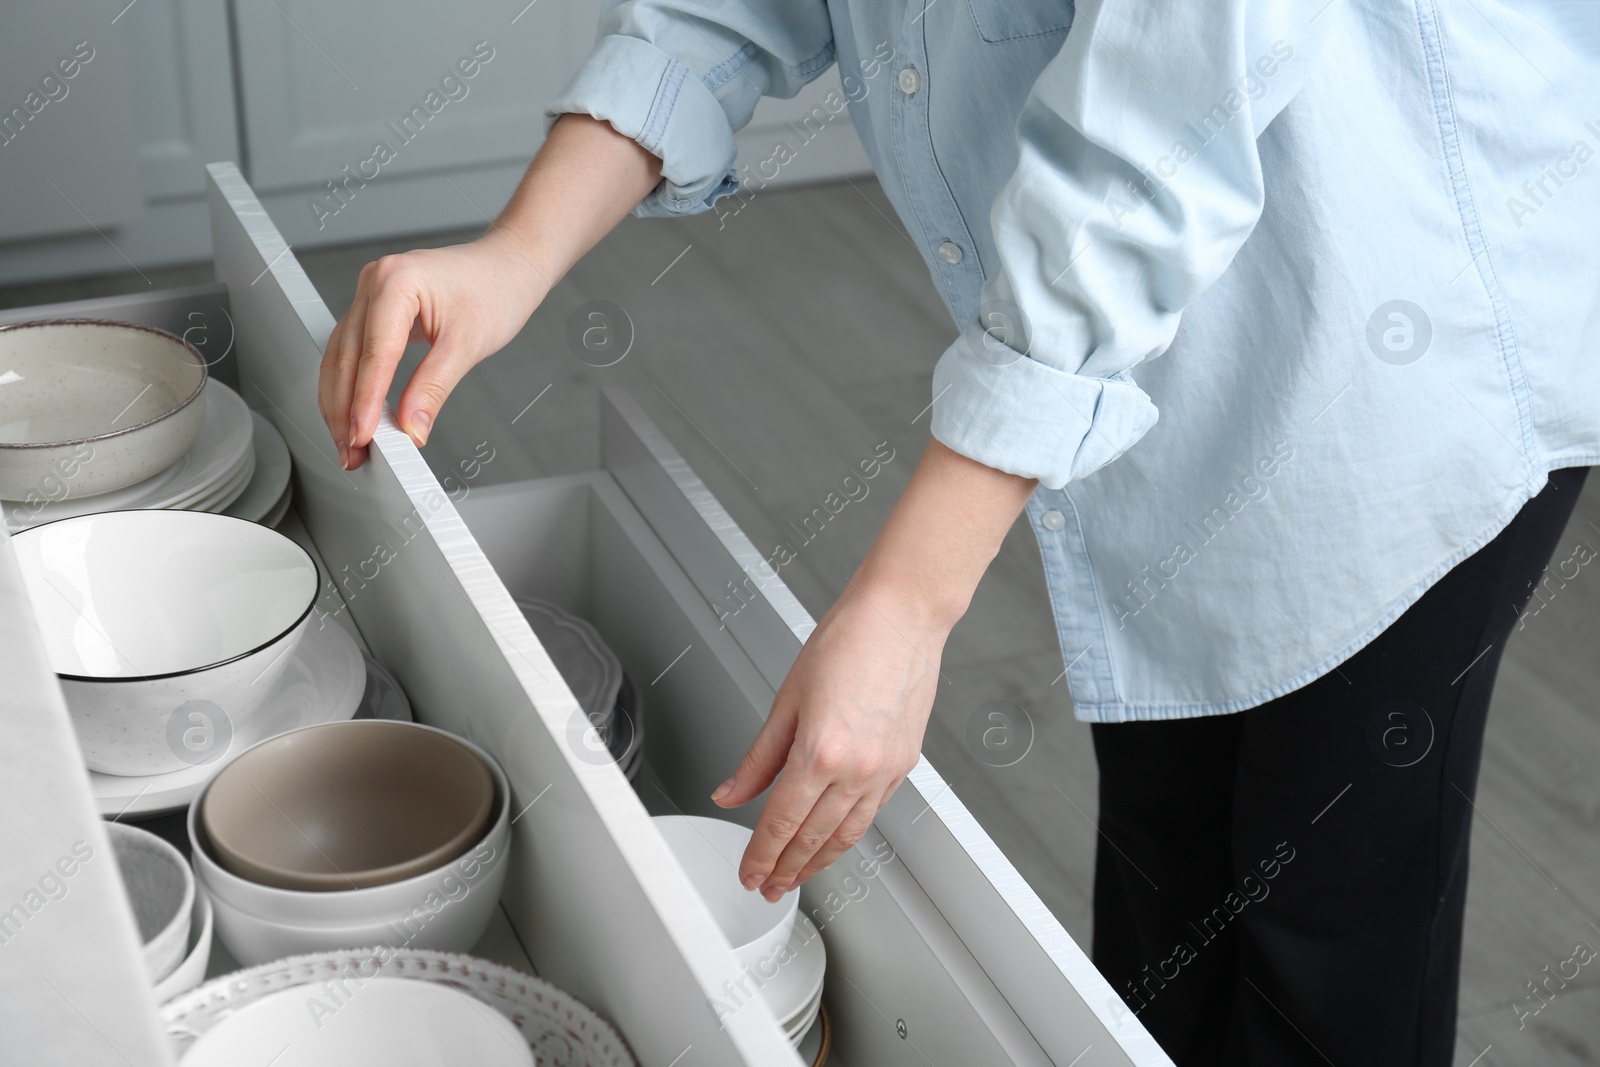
(776, 946)
(353, 834)
(102, 416)
(167, 629)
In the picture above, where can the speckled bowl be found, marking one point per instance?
(160, 887)
(89, 406)
(168, 629)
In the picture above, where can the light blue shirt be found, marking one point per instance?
(1361, 237)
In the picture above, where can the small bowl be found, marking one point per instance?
(89, 406)
(167, 629)
(709, 851)
(160, 889)
(446, 909)
(347, 805)
(192, 971)
(364, 1020)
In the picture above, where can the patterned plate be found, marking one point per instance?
(561, 1031)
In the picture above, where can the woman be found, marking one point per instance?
(1349, 228)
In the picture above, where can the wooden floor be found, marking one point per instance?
(783, 347)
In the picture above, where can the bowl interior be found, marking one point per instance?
(136, 594)
(709, 851)
(159, 884)
(67, 381)
(347, 805)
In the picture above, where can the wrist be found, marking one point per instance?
(924, 608)
(517, 264)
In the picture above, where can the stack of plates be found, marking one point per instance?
(239, 465)
(606, 696)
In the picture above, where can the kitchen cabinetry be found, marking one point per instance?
(938, 951)
(301, 95)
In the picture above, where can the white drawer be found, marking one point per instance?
(938, 952)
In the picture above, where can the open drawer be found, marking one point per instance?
(938, 952)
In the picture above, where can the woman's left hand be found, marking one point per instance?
(845, 729)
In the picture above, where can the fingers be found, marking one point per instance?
(346, 365)
(767, 755)
(846, 837)
(835, 823)
(446, 363)
(786, 811)
(389, 318)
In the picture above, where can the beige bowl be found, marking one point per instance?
(347, 805)
(89, 406)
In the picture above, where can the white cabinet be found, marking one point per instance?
(353, 120)
(126, 146)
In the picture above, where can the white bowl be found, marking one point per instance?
(87, 406)
(160, 890)
(709, 851)
(167, 628)
(398, 1022)
(192, 971)
(446, 909)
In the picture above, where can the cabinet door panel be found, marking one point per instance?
(326, 83)
(66, 122)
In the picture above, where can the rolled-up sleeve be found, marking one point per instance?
(681, 77)
(1137, 182)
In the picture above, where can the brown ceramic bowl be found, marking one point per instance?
(347, 805)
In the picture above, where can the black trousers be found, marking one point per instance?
(1286, 885)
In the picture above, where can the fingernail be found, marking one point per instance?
(354, 429)
(752, 881)
(772, 894)
(722, 790)
(344, 457)
(423, 423)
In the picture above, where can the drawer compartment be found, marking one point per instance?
(938, 952)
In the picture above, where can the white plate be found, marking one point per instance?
(561, 1030)
(239, 472)
(280, 509)
(271, 479)
(393, 1021)
(322, 682)
(224, 440)
(225, 492)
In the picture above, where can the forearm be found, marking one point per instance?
(584, 180)
(940, 538)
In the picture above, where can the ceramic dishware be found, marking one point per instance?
(323, 682)
(709, 851)
(269, 480)
(222, 448)
(393, 1021)
(166, 628)
(561, 1030)
(197, 957)
(445, 908)
(160, 889)
(88, 406)
(347, 806)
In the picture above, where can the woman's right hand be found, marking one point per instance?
(466, 301)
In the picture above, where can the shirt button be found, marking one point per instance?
(1053, 520)
(910, 81)
(950, 252)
